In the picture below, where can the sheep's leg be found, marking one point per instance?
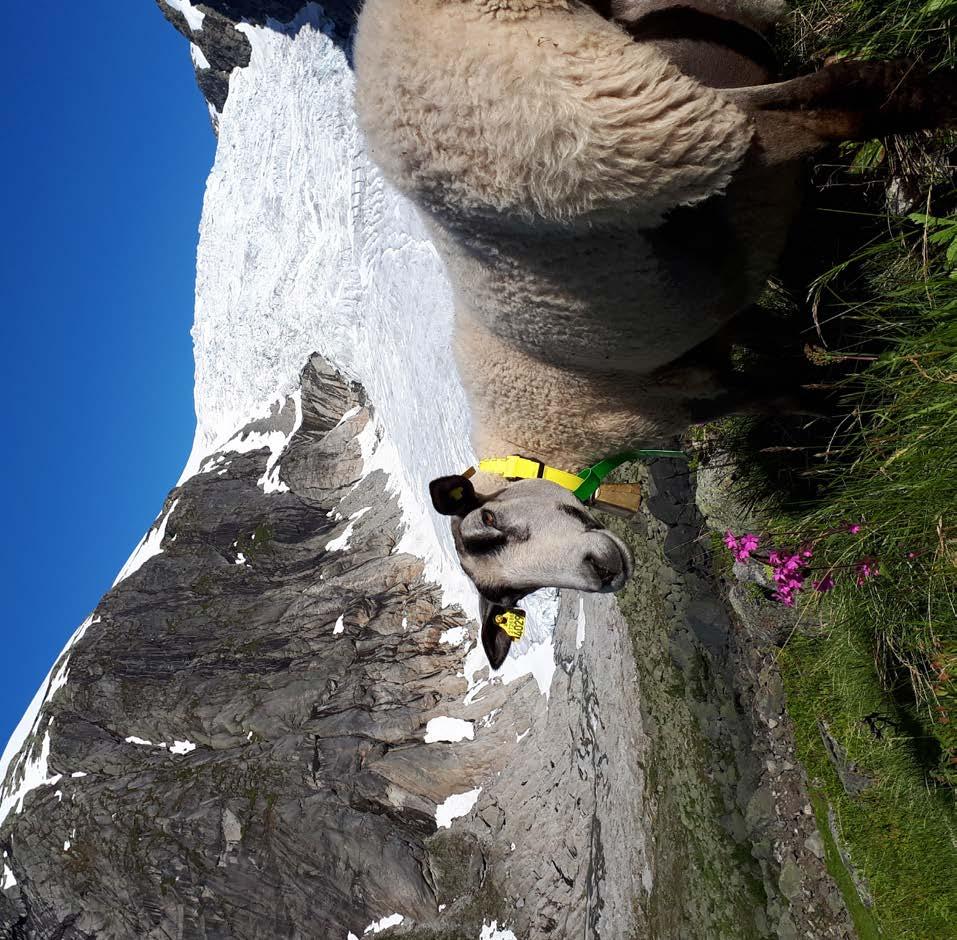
(846, 101)
(798, 402)
(750, 395)
(710, 362)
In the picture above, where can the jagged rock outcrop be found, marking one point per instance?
(219, 47)
(736, 848)
(277, 723)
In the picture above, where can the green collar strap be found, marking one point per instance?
(593, 476)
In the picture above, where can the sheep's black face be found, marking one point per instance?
(527, 535)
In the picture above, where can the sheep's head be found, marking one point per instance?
(522, 536)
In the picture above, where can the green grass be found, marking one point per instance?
(891, 466)
(875, 303)
(900, 833)
(864, 922)
(876, 29)
(886, 462)
(888, 647)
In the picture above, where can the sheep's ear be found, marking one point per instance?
(453, 496)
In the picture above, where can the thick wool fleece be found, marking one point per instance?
(538, 110)
(545, 149)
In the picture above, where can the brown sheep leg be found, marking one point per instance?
(772, 385)
(846, 101)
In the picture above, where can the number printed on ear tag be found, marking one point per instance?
(512, 622)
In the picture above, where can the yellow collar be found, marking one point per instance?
(521, 468)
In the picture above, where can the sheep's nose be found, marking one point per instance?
(608, 569)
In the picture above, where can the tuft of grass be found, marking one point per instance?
(876, 29)
(901, 834)
(891, 466)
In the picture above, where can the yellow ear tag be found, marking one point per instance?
(456, 494)
(512, 622)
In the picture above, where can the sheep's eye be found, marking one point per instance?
(488, 517)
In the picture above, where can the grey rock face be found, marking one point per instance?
(223, 46)
(226, 640)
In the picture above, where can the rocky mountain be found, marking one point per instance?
(278, 723)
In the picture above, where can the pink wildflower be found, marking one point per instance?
(866, 569)
(786, 591)
(825, 584)
(854, 528)
(788, 571)
(787, 565)
(746, 546)
(741, 549)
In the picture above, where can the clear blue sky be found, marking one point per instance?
(105, 151)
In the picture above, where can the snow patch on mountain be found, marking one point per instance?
(270, 481)
(303, 248)
(384, 923)
(150, 547)
(22, 772)
(492, 931)
(194, 17)
(33, 773)
(454, 636)
(247, 441)
(458, 804)
(199, 59)
(341, 542)
(448, 729)
(8, 880)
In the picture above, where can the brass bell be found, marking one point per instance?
(619, 499)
